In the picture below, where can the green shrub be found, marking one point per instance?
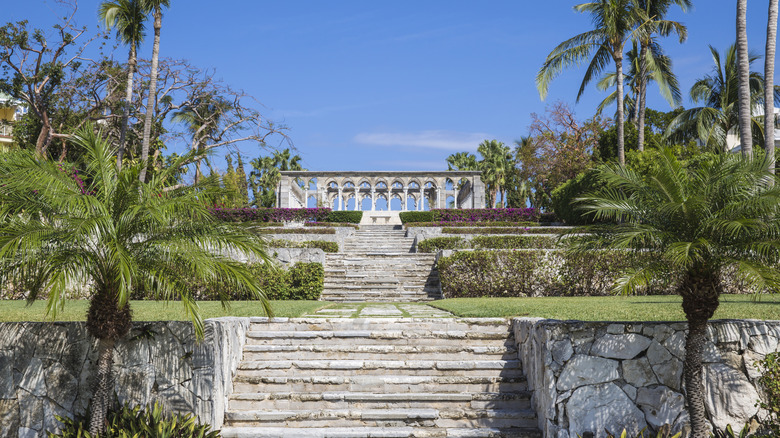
(353, 217)
(770, 382)
(417, 216)
(306, 281)
(563, 197)
(331, 224)
(147, 422)
(513, 242)
(439, 243)
(322, 230)
(472, 224)
(469, 274)
(321, 244)
(504, 230)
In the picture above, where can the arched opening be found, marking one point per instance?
(311, 202)
(349, 184)
(365, 185)
(411, 203)
(381, 185)
(365, 205)
(313, 184)
(398, 185)
(449, 185)
(351, 203)
(451, 202)
(396, 204)
(381, 203)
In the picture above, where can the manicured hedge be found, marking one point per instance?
(316, 230)
(487, 242)
(272, 214)
(331, 224)
(321, 244)
(536, 273)
(503, 230)
(487, 214)
(353, 217)
(439, 243)
(417, 216)
(472, 224)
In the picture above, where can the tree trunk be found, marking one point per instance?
(769, 85)
(44, 137)
(700, 291)
(640, 103)
(101, 399)
(131, 60)
(743, 68)
(150, 102)
(620, 108)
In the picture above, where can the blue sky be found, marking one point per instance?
(400, 85)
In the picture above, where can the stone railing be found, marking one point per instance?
(592, 376)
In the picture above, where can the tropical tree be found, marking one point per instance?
(496, 166)
(104, 228)
(650, 51)
(769, 85)
(718, 92)
(462, 161)
(284, 160)
(155, 8)
(702, 221)
(614, 21)
(128, 18)
(202, 117)
(745, 102)
(263, 179)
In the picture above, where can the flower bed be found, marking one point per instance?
(487, 242)
(503, 230)
(512, 215)
(321, 244)
(314, 230)
(271, 214)
(472, 224)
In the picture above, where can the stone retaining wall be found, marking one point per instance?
(289, 256)
(588, 376)
(46, 369)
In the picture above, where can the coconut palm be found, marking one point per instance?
(649, 49)
(769, 76)
(718, 92)
(462, 161)
(496, 165)
(283, 160)
(723, 215)
(106, 229)
(745, 106)
(128, 18)
(614, 21)
(155, 8)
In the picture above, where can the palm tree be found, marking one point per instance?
(650, 50)
(462, 161)
(700, 221)
(614, 21)
(128, 17)
(745, 108)
(769, 77)
(718, 92)
(495, 165)
(201, 118)
(658, 69)
(284, 161)
(107, 229)
(155, 8)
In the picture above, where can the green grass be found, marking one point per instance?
(75, 310)
(632, 308)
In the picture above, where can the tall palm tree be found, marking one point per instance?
(701, 221)
(155, 8)
(614, 21)
(462, 161)
(264, 178)
(116, 234)
(284, 160)
(769, 84)
(718, 92)
(496, 166)
(649, 49)
(745, 105)
(128, 17)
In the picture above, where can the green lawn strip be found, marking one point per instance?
(617, 308)
(16, 310)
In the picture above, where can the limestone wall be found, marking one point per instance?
(289, 256)
(588, 376)
(46, 369)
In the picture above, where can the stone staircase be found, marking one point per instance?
(391, 377)
(377, 265)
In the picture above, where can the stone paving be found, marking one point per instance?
(381, 310)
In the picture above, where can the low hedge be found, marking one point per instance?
(417, 216)
(487, 215)
(472, 224)
(353, 217)
(321, 244)
(439, 243)
(331, 224)
(537, 273)
(273, 214)
(316, 230)
(503, 230)
(487, 242)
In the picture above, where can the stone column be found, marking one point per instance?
(358, 201)
(341, 200)
(405, 200)
(421, 204)
(373, 200)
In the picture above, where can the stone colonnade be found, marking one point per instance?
(335, 189)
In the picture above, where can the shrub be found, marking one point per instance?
(353, 217)
(513, 242)
(485, 215)
(331, 224)
(321, 244)
(489, 273)
(271, 214)
(439, 243)
(148, 422)
(472, 224)
(417, 216)
(770, 382)
(499, 230)
(563, 197)
(316, 230)
(306, 281)
(548, 217)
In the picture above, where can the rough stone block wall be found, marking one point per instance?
(46, 369)
(588, 376)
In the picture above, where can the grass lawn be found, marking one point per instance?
(617, 308)
(76, 310)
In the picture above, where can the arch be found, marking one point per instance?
(397, 184)
(451, 202)
(365, 184)
(430, 184)
(382, 203)
(332, 184)
(411, 202)
(396, 203)
(413, 184)
(312, 183)
(380, 184)
(311, 202)
(449, 184)
(348, 184)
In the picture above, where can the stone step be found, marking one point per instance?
(350, 417)
(423, 352)
(409, 324)
(391, 336)
(466, 403)
(388, 383)
(379, 432)
(347, 367)
(381, 299)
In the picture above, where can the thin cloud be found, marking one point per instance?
(446, 140)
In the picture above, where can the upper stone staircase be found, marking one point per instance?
(377, 264)
(380, 377)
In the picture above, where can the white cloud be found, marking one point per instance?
(447, 140)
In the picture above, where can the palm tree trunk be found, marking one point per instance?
(620, 109)
(131, 61)
(642, 94)
(150, 102)
(743, 67)
(769, 86)
(101, 400)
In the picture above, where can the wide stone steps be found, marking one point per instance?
(402, 377)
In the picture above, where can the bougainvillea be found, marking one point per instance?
(271, 214)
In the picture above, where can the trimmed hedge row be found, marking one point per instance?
(487, 242)
(472, 224)
(321, 244)
(513, 215)
(537, 273)
(331, 224)
(352, 217)
(417, 216)
(272, 214)
(316, 230)
(503, 230)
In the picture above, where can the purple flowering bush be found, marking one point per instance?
(487, 215)
(271, 214)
